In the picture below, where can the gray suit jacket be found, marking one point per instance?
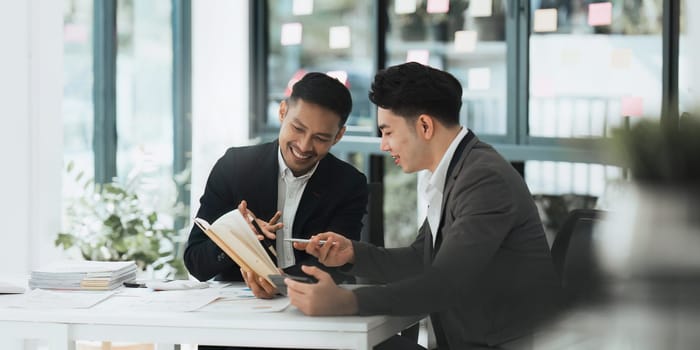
(489, 278)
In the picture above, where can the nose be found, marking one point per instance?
(306, 143)
(384, 145)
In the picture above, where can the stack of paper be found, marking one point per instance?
(83, 275)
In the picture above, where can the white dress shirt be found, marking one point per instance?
(289, 191)
(433, 190)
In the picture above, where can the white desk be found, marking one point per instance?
(287, 329)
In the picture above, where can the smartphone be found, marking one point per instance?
(278, 281)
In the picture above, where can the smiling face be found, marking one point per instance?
(307, 133)
(401, 139)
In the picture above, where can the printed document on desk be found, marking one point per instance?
(149, 300)
(51, 299)
(239, 299)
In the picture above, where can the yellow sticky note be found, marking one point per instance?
(480, 8)
(465, 41)
(402, 7)
(479, 78)
(545, 20)
(420, 56)
(291, 34)
(302, 7)
(570, 55)
(339, 37)
(621, 58)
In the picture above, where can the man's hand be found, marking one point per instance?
(260, 287)
(323, 298)
(336, 251)
(267, 228)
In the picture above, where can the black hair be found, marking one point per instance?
(411, 89)
(325, 91)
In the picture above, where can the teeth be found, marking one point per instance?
(298, 155)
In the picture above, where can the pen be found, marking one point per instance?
(266, 242)
(302, 240)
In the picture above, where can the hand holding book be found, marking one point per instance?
(235, 235)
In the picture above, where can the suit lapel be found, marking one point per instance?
(453, 170)
(267, 174)
(314, 191)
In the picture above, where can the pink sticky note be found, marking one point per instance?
(341, 75)
(632, 106)
(600, 14)
(75, 33)
(420, 56)
(542, 87)
(438, 6)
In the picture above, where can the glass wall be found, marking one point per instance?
(466, 38)
(335, 37)
(591, 64)
(544, 80)
(144, 96)
(688, 72)
(77, 90)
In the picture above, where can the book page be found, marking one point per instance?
(240, 242)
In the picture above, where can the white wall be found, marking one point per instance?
(31, 89)
(220, 67)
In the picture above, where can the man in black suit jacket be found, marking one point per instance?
(320, 192)
(480, 266)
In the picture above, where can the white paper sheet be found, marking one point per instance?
(51, 299)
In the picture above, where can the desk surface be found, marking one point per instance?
(289, 328)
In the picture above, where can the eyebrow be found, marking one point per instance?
(383, 126)
(324, 134)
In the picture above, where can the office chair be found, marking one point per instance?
(573, 256)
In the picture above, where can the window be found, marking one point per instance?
(77, 89)
(121, 85)
(144, 96)
(544, 81)
(593, 64)
(688, 72)
(335, 37)
(466, 38)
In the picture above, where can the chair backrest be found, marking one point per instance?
(373, 221)
(572, 252)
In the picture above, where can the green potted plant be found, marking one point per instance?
(112, 222)
(653, 227)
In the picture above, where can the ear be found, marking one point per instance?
(425, 126)
(284, 107)
(339, 135)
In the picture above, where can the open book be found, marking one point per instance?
(232, 233)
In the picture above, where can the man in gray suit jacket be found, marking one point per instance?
(480, 266)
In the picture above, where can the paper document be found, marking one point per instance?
(144, 299)
(50, 299)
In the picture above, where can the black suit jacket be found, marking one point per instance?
(489, 278)
(335, 199)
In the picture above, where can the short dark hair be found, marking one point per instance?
(325, 91)
(411, 89)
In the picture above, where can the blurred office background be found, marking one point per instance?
(157, 90)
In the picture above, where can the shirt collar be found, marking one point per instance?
(436, 180)
(286, 173)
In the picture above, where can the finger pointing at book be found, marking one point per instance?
(268, 229)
